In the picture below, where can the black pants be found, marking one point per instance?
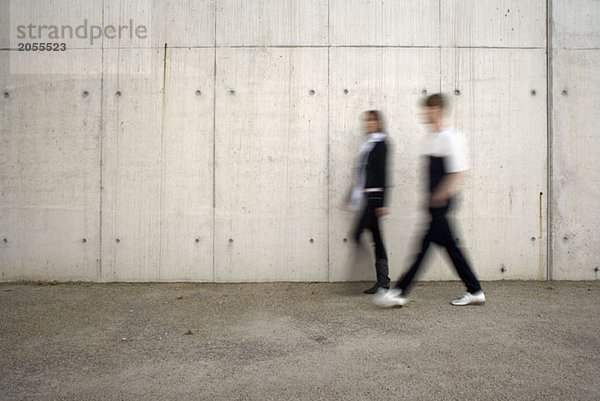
(439, 232)
(369, 220)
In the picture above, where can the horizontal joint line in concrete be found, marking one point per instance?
(575, 48)
(310, 47)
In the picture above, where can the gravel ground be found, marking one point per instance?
(531, 341)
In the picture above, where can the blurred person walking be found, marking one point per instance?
(447, 162)
(368, 195)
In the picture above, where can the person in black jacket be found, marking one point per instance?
(368, 193)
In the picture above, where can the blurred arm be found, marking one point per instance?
(445, 189)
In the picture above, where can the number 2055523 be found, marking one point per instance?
(41, 47)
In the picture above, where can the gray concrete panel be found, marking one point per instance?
(384, 23)
(49, 176)
(272, 23)
(187, 174)
(131, 166)
(157, 166)
(576, 169)
(576, 24)
(271, 165)
(505, 23)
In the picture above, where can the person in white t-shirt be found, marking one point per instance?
(447, 161)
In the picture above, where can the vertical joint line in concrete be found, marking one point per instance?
(99, 260)
(328, 147)
(115, 197)
(328, 171)
(440, 41)
(328, 25)
(541, 236)
(214, 150)
(162, 157)
(550, 139)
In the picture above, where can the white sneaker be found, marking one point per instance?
(389, 298)
(477, 298)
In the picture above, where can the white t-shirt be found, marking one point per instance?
(450, 145)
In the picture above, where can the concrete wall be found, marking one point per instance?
(576, 140)
(225, 155)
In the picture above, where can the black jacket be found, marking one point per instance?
(376, 174)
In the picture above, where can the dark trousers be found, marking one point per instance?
(369, 220)
(439, 232)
